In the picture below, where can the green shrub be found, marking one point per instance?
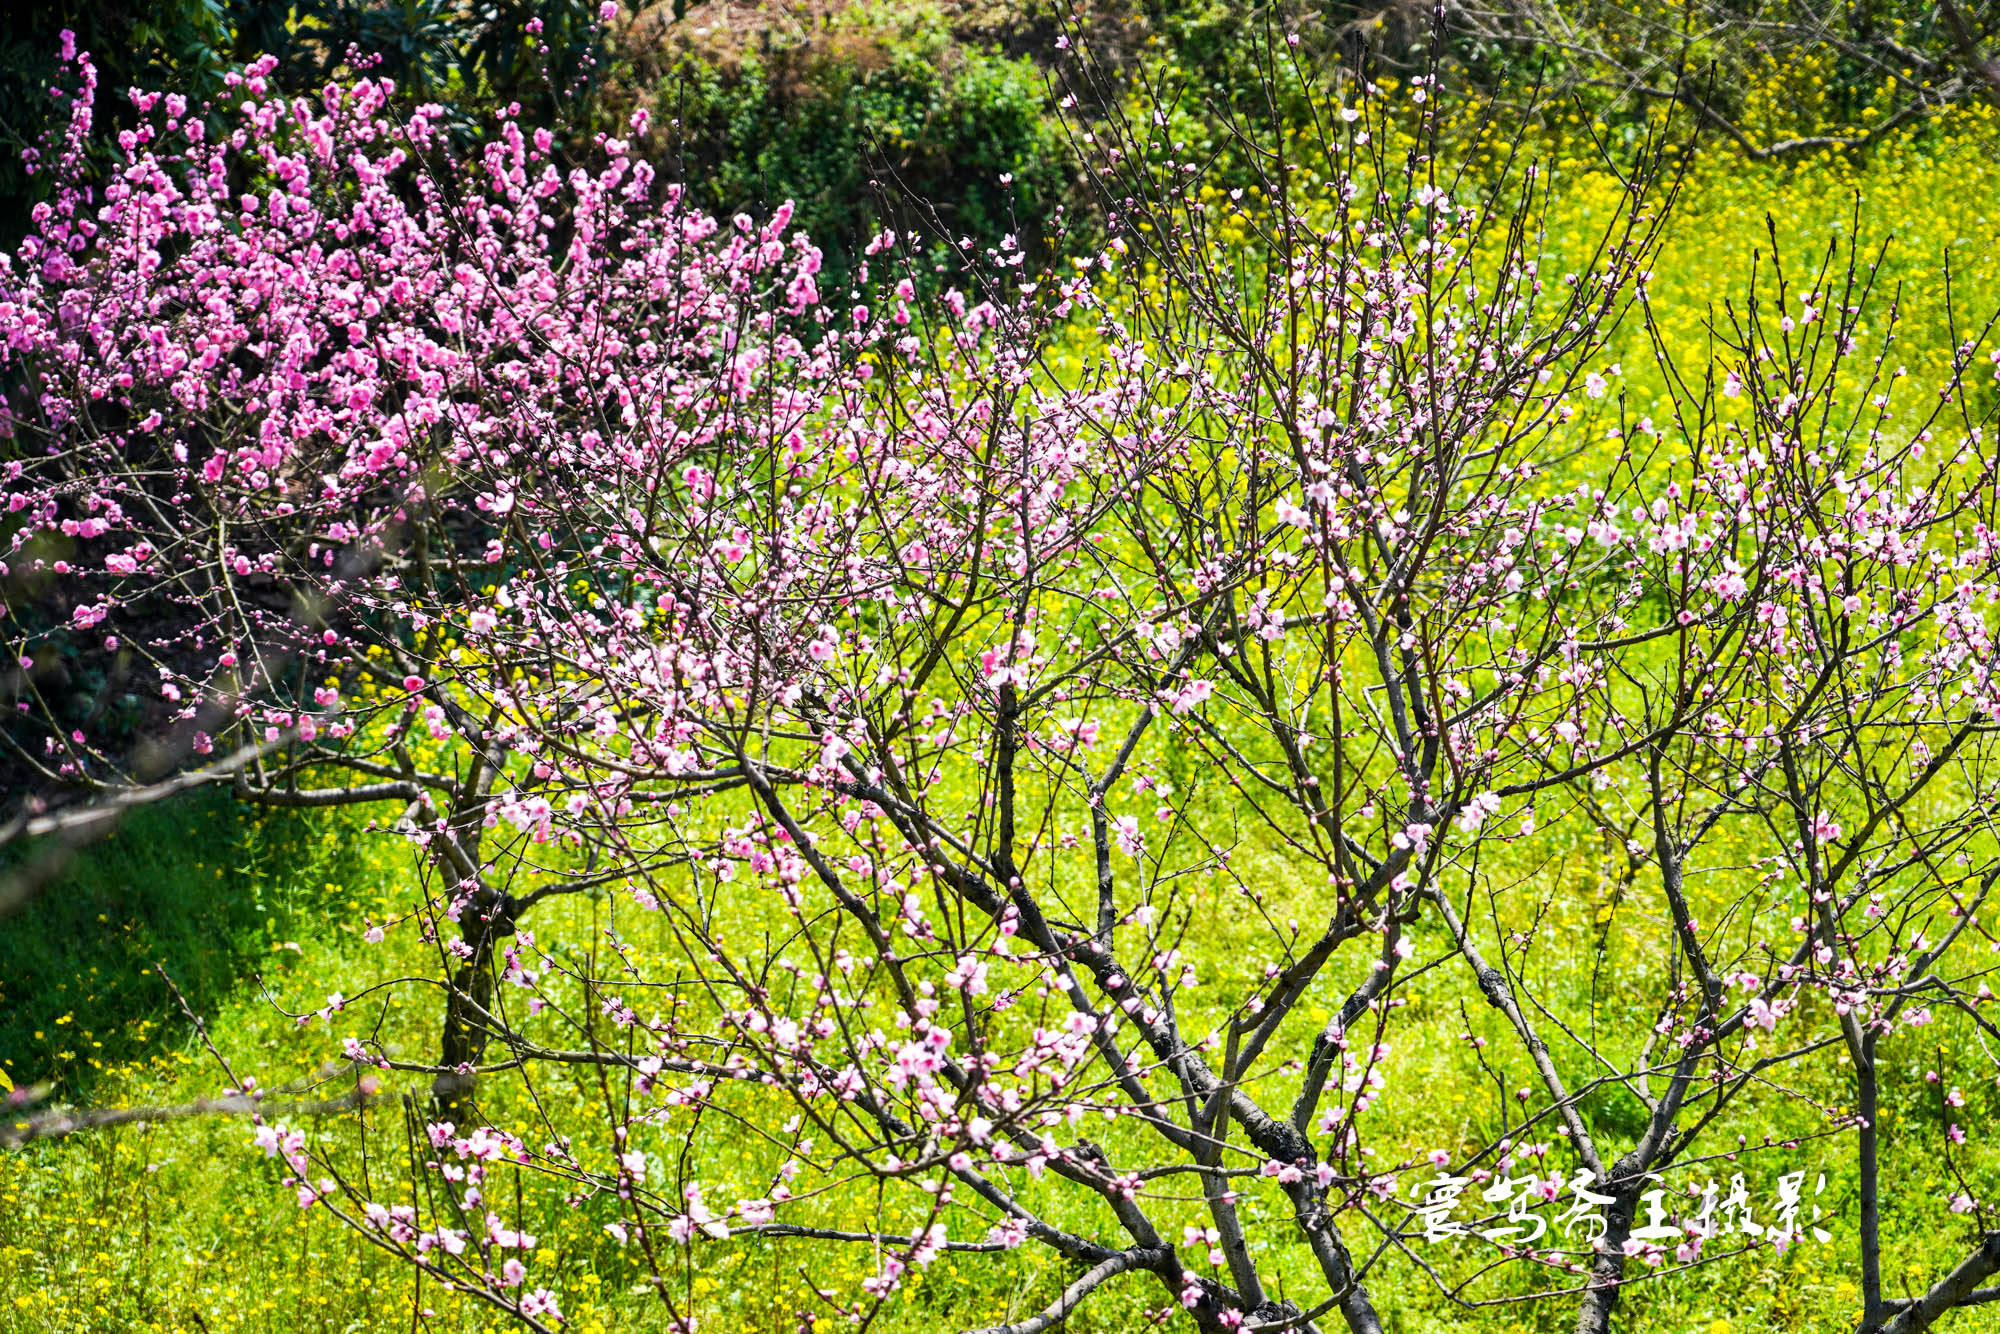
(853, 116)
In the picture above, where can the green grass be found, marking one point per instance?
(206, 887)
(181, 1226)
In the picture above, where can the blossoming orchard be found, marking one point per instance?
(1035, 754)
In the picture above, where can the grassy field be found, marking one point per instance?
(257, 917)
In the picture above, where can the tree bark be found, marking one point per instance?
(1958, 1288)
(1607, 1272)
(1867, 1150)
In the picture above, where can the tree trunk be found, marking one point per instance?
(1607, 1271)
(486, 917)
(1867, 1149)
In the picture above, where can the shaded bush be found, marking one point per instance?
(853, 111)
